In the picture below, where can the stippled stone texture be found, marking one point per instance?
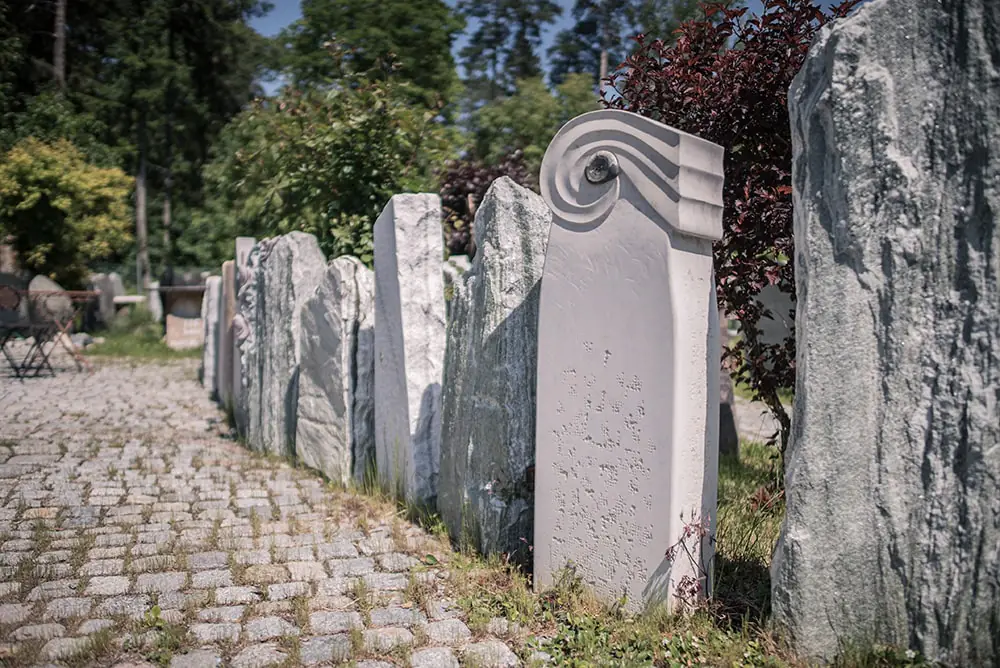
(892, 533)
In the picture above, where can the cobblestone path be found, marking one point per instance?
(134, 531)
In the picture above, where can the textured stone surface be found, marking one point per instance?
(224, 358)
(433, 657)
(210, 302)
(485, 490)
(452, 271)
(335, 430)
(892, 532)
(409, 344)
(628, 357)
(284, 272)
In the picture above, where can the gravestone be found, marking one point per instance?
(892, 530)
(335, 430)
(154, 301)
(628, 357)
(210, 347)
(224, 360)
(184, 333)
(241, 330)
(409, 345)
(284, 273)
(110, 286)
(485, 490)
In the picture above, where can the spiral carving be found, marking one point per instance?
(679, 176)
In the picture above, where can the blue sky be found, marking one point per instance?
(287, 11)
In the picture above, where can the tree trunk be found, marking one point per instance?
(141, 228)
(59, 50)
(168, 183)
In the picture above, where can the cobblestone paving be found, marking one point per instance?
(133, 531)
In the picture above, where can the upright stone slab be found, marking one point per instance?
(224, 360)
(283, 274)
(486, 485)
(628, 357)
(210, 321)
(335, 431)
(452, 271)
(154, 302)
(241, 331)
(892, 531)
(409, 345)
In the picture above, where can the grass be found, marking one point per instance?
(742, 390)
(138, 336)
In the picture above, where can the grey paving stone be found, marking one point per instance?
(202, 561)
(325, 649)
(39, 632)
(386, 640)
(133, 607)
(387, 581)
(14, 613)
(237, 595)
(152, 564)
(54, 589)
(64, 648)
(93, 626)
(448, 632)
(490, 654)
(66, 608)
(229, 613)
(268, 628)
(111, 585)
(351, 567)
(198, 658)
(306, 571)
(265, 574)
(394, 562)
(336, 550)
(216, 578)
(160, 582)
(103, 567)
(259, 656)
(215, 633)
(280, 592)
(397, 616)
(433, 657)
(326, 623)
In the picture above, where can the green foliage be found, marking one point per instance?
(326, 162)
(528, 119)
(138, 336)
(502, 48)
(62, 211)
(419, 35)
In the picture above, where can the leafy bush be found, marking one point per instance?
(62, 211)
(727, 81)
(325, 161)
(463, 186)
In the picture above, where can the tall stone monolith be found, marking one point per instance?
(283, 273)
(227, 310)
(210, 322)
(335, 430)
(892, 531)
(486, 486)
(241, 331)
(409, 345)
(628, 360)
